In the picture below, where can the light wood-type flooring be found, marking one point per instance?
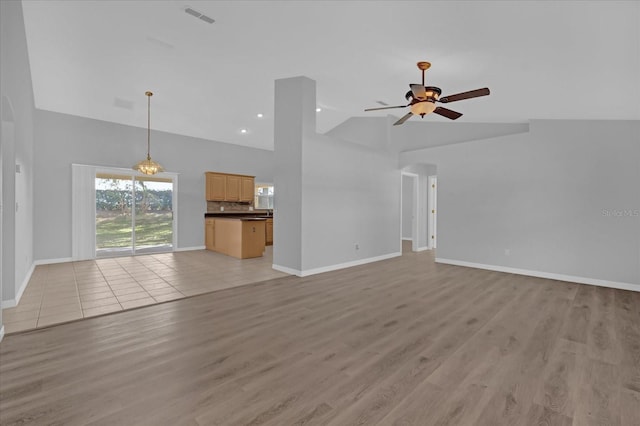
(399, 342)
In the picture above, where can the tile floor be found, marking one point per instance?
(68, 291)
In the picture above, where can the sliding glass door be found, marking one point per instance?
(153, 221)
(133, 214)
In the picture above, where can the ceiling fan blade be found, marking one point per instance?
(403, 119)
(445, 112)
(465, 95)
(419, 91)
(389, 107)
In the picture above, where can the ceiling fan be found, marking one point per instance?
(422, 99)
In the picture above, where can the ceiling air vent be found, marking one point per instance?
(197, 14)
(205, 18)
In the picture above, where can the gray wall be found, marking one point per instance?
(62, 140)
(407, 206)
(419, 134)
(563, 199)
(369, 131)
(349, 193)
(291, 124)
(17, 118)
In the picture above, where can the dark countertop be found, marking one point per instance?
(260, 214)
(243, 219)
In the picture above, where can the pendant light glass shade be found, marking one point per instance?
(148, 166)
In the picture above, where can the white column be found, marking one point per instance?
(295, 100)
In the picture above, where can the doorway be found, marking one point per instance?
(409, 209)
(133, 214)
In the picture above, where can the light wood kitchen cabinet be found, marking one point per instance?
(241, 238)
(233, 188)
(229, 187)
(269, 232)
(210, 234)
(216, 184)
(247, 187)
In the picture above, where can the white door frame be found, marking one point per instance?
(415, 210)
(432, 192)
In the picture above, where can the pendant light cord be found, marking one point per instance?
(149, 125)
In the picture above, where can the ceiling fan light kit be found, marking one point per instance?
(423, 108)
(422, 99)
(148, 166)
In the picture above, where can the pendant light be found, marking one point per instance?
(148, 166)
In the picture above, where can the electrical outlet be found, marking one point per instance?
(221, 208)
(507, 252)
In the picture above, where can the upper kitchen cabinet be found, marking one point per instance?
(233, 188)
(229, 187)
(216, 186)
(247, 189)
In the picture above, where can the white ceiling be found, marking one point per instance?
(542, 59)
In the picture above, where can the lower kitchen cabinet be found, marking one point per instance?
(269, 232)
(210, 234)
(241, 238)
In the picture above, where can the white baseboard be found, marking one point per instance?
(407, 239)
(335, 267)
(423, 248)
(189, 248)
(286, 270)
(12, 303)
(540, 274)
(1, 332)
(51, 261)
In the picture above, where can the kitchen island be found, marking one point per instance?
(240, 237)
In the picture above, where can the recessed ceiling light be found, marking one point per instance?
(243, 130)
(260, 116)
(318, 109)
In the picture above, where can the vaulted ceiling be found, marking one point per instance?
(541, 59)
